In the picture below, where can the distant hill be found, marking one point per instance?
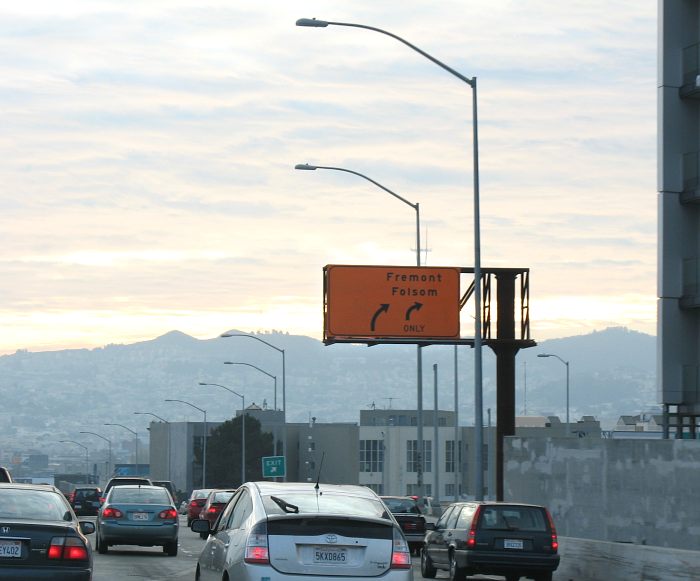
(58, 393)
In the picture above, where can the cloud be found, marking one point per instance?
(148, 152)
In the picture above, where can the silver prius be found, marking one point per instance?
(283, 530)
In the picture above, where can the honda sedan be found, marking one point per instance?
(40, 537)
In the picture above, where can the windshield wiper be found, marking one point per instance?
(284, 505)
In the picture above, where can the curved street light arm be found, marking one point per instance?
(98, 435)
(123, 426)
(249, 365)
(189, 404)
(306, 166)
(313, 23)
(226, 335)
(84, 447)
(151, 414)
(222, 386)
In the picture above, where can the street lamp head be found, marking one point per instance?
(544, 355)
(305, 166)
(203, 383)
(312, 22)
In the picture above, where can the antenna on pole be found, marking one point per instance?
(425, 249)
(524, 388)
(391, 399)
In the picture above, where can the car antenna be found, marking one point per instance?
(318, 476)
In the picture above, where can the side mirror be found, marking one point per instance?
(86, 527)
(200, 525)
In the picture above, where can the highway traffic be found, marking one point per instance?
(151, 564)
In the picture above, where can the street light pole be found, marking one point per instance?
(478, 374)
(109, 451)
(284, 386)
(168, 423)
(136, 445)
(275, 402)
(568, 425)
(242, 424)
(419, 349)
(204, 446)
(87, 459)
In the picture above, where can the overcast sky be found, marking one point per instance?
(147, 152)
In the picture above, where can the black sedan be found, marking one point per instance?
(40, 536)
(407, 513)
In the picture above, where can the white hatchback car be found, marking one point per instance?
(292, 531)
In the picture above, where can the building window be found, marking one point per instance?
(449, 489)
(442, 421)
(412, 456)
(376, 487)
(371, 455)
(450, 456)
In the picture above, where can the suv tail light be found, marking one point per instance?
(471, 537)
(555, 541)
(67, 549)
(400, 554)
(111, 512)
(168, 513)
(256, 548)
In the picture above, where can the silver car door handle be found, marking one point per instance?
(226, 545)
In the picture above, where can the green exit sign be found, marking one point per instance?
(273, 467)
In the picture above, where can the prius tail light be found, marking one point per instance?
(400, 553)
(257, 550)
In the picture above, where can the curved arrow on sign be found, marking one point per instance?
(415, 307)
(383, 309)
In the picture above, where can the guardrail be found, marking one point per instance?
(587, 560)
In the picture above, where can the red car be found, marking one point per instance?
(197, 500)
(216, 502)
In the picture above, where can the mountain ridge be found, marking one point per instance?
(612, 373)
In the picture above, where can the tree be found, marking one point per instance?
(224, 452)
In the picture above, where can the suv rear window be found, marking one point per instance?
(402, 506)
(513, 518)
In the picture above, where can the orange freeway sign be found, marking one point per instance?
(391, 301)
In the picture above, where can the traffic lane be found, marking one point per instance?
(149, 563)
(445, 575)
